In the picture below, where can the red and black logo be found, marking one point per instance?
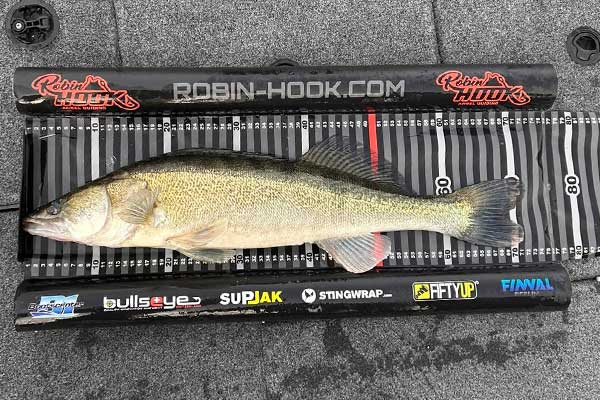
(156, 301)
(490, 90)
(91, 94)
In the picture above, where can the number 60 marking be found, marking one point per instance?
(572, 187)
(443, 185)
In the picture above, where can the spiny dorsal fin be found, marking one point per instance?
(337, 153)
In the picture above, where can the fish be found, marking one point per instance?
(205, 204)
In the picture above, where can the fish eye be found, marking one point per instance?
(53, 208)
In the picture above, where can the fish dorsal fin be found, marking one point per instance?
(337, 153)
(358, 254)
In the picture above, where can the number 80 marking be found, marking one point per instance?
(572, 187)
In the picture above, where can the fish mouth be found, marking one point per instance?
(51, 228)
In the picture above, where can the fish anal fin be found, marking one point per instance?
(358, 254)
(337, 153)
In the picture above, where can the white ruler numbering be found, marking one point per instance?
(572, 188)
(443, 182)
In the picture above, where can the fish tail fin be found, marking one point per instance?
(490, 223)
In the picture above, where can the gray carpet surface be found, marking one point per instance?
(512, 356)
(234, 33)
(87, 37)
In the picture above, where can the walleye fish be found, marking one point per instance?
(207, 203)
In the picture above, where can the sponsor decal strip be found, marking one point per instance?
(136, 302)
(280, 90)
(93, 94)
(447, 290)
(526, 286)
(251, 297)
(310, 295)
(55, 307)
(490, 90)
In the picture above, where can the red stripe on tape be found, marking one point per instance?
(372, 126)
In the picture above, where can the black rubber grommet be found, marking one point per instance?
(583, 45)
(32, 24)
(284, 62)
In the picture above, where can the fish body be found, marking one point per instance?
(269, 203)
(206, 204)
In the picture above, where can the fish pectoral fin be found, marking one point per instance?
(210, 255)
(138, 206)
(199, 238)
(358, 254)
